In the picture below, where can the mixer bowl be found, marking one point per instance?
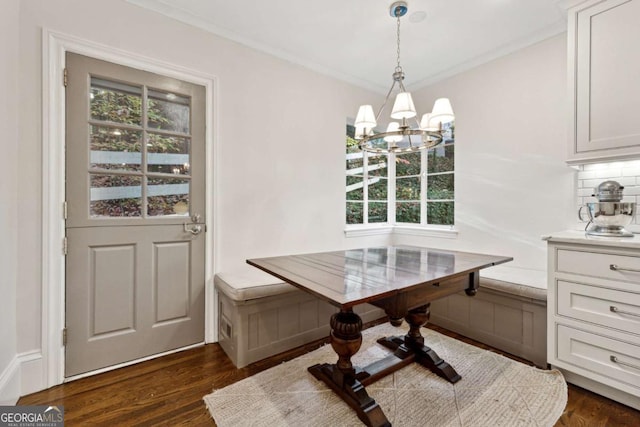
(609, 218)
(611, 214)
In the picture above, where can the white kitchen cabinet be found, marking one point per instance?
(593, 313)
(603, 66)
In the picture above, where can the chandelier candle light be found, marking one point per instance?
(401, 136)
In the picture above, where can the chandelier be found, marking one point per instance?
(407, 134)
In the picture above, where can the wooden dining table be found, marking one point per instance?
(402, 280)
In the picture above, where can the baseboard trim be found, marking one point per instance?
(10, 383)
(32, 377)
(24, 375)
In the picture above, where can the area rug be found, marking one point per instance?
(493, 391)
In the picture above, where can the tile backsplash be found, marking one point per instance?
(626, 173)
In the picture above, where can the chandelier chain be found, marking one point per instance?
(398, 67)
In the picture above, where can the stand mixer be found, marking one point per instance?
(609, 215)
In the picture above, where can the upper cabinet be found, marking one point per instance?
(604, 80)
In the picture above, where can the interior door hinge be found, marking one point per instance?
(64, 209)
(65, 245)
(64, 336)
(65, 78)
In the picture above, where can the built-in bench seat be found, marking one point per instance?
(505, 315)
(258, 318)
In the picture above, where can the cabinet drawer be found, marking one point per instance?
(599, 265)
(594, 353)
(607, 307)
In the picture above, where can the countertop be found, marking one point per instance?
(580, 237)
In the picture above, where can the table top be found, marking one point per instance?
(355, 276)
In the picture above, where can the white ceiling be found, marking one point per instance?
(355, 40)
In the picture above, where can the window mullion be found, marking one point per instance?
(391, 188)
(424, 158)
(365, 187)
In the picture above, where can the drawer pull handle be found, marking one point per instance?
(615, 309)
(615, 267)
(615, 360)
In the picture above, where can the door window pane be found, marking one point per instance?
(168, 154)
(115, 102)
(115, 195)
(167, 196)
(115, 148)
(168, 111)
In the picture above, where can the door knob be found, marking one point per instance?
(194, 229)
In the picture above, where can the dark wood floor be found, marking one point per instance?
(168, 391)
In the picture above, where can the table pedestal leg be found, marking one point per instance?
(412, 344)
(346, 338)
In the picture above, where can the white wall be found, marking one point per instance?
(512, 185)
(280, 136)
(9, 375)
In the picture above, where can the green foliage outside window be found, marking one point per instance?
(355, 213)
(377, 212)
(440, 213)
(408, 212)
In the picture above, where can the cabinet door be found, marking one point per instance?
(604, 66)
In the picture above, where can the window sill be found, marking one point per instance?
(442, 231)
(446, 232)
(367, 230)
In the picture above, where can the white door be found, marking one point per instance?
(135, 189)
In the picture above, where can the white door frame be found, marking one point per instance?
(55, 46)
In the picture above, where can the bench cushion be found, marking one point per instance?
(514, 289)
(242, 288)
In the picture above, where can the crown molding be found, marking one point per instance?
(174, 11)
(180, 14)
